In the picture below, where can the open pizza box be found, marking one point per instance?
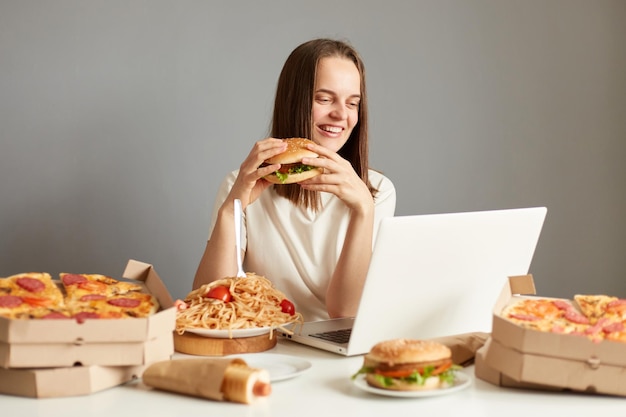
(104, 342)
(525, 358)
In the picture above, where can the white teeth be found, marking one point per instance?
(332, 129)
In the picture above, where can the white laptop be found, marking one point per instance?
(433, 275)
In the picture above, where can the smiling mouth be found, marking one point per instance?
(331, 129)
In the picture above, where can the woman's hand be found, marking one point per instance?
(338, 178)
(219, 258)
(250, 183)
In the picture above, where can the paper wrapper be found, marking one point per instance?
(220, 379)
(464, 346)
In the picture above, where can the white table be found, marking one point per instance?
(323, 390)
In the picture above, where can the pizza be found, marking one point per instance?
(132, 304)
(90, 286)
(37, 287)
(29, 292)
(35, 295)
(597, 317)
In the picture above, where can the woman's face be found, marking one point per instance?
(336, 102)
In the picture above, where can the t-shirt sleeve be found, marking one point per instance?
(385, 199)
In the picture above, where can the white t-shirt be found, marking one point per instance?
(297, 249)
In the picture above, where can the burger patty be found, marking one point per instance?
(291, 168)
(288, 168)
(384, 366)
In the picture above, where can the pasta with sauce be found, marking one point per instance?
(254, 303)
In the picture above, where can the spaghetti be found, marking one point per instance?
(254, 303)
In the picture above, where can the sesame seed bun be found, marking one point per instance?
(399, 351)
(296, 150)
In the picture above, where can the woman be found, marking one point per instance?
(313, 240)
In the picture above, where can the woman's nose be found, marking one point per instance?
(338, 112)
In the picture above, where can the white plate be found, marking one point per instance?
(236, 333)
(225, 334)
(462, 381)
(280, 367)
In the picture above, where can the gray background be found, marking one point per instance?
(119, 118)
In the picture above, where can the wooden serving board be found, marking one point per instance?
(194, 344)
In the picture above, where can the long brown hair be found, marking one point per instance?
(293, 110)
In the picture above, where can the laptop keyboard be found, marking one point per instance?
(336, 336)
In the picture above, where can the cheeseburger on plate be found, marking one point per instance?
(408, 365)
(292, 169)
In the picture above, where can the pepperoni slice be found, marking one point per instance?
(562, 305)
(593, 330)
(124, 302)
(31, 284)
(617, 326)
(71, 279)
(83, 315)
(618, 302)
(92, 297)
(576, 317)
(10, 301)
(525, 317)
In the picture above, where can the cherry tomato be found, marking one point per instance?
(219, 293)
(287, 307)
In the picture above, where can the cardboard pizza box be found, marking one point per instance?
(110, 342)
(40, 355)
(65, 382)
(484, 371)
(558, 361)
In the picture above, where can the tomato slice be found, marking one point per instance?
(442, 368)
(93, 286)
(37, 302)
(403, 373)
(220, 292)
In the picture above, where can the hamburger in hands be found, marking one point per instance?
(408, 365)
(292, 169)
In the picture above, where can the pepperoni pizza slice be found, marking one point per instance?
(12, 306)
(23, 293)
(85, 287)
(130, 304)
(594, 306)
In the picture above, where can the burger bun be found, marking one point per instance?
(398, 351)
(294, 178)
(296, 150)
